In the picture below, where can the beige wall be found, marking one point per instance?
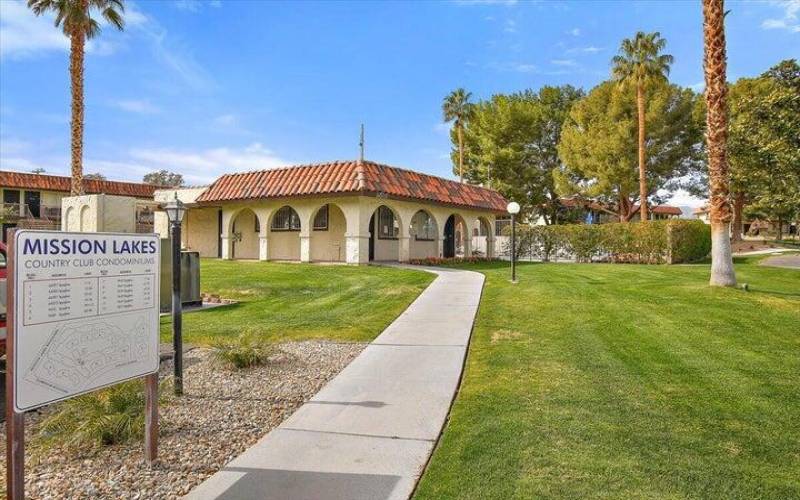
(246, 244)
(284, 245)
(200, 230)
(330, 245)
(347, 238)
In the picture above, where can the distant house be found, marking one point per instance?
(341, 211)
(752, 227)
(584, 210)
(34, 200)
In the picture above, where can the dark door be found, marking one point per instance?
(219, 232)
(34, 201)
(450, 237)
(372, 237)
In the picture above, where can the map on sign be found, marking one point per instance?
(86, 312)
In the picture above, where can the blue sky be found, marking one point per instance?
(205, 87)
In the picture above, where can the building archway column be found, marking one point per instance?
(404, 243)
(357, 248)
(490, 245)
(305, 247)
(227, 247)
(263, 245)
(440, 246)
(467, 240)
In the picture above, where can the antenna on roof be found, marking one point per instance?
(361, 145)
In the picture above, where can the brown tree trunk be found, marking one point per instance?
(738, 207)
(714, 65)
(642, 176)
(460, 153)
(77, 42)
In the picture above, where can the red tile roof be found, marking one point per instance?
(660, 209)
(351, 177)
(21, 180)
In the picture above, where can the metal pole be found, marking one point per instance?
(15, 422)
(177, 333)
(151, 418)
(513, 248)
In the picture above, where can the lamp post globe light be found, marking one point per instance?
(513, 209)
(175, 210)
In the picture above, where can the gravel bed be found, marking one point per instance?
(221, 414)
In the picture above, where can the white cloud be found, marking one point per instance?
(227, 120)
(140, 106)
(518, 67)
(442, 128)
(574, 32)
(507, 3)
(195, 5)
(699, 86)
(789, 21)
(564, 62)
(510, 26)
(24, 34)
(203, 166)
(591, 49)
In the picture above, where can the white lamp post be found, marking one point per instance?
(513, 209)
(175, 210)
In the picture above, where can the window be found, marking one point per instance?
(321, 219)
(500, 224)
(388, 228)
(423, 226)
(286, 219)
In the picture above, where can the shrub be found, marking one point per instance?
(101, 418)
(447, 261)
(246, 350)
(653, 242)
(690, 241)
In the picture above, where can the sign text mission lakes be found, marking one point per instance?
(68, 246)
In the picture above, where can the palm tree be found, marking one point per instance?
(74, 18)
(638, 63)
(714, 65)
(456, 108)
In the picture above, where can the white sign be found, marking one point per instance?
(86, 312)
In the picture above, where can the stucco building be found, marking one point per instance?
(344, 211)
(35, 201)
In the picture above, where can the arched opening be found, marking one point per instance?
(455, 233)
(244, 235)
(384, 231)
(83, 219)
(481, 233)
(328, 227)
(69, 224)
(284, 234)
(424, 235)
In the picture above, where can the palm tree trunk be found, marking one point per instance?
(77, 42)
(722, 273)
(642, 176)
(460, 153)
(738, 207)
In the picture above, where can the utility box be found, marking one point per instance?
(190, 277)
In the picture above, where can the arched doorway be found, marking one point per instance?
(244, 235)
(455, 231)
(284, 234)
(384, 234)
(424, 235)
(328, 227)
(481, 237)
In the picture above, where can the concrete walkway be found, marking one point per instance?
(369, 432)
(789, 261)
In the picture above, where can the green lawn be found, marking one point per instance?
(300, 301)
(625, 381)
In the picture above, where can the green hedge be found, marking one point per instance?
(654, 242)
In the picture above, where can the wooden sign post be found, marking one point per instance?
(83, 314)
